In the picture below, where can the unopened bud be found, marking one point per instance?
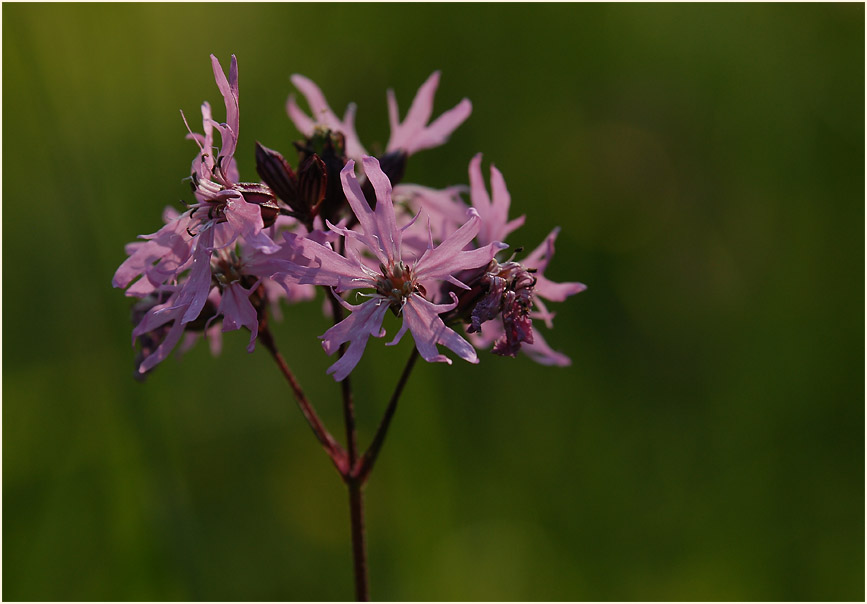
(312, 186)
(276, 173)
(330, 148)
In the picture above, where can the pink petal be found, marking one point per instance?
(450, 257)
(539, 259)
(165, 251)
(441, 129)
(419, 112)
(157, 317)
(304, 124)
(238, 311)
(322, 114)
(556, 292)
(365, 321)
(494, 214)
(414, 134)
(246, 220)
(543, 354)
(194, 293)
(422, 319)
(228, 143)
(203, 164)
(379, 228)
(319, 108)
(229, 90)
(384, 212)
(162, 351)
(444, 208)
(323, 266)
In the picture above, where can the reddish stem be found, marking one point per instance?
(361, 469)
(356, 502)
(331, 446)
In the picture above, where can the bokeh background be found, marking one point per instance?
(706, 165)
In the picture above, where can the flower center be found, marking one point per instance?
(396, 283)
(226, 267)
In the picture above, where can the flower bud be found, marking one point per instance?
(312, 185)
(276, 173)
(330, 148)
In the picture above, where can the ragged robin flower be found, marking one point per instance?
(509, 295)
(398, 285)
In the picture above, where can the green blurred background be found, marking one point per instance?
(706, 165)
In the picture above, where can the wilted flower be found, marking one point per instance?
(515, 291)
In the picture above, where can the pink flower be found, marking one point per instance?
(414, 133)
(221, 214)
(192, 261)
(235, 285)
(397, 285)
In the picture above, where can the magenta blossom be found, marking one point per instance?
(183, 266)
(235, 282)
(220, 215)
(397, 285)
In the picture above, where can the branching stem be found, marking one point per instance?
(361, 469)
(331, 446)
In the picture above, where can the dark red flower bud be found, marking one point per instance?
(329, 147)
(276, 173)
(312, 184)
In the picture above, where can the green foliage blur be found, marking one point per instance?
(706, 165)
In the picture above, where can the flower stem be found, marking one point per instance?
(356, 502)
(331, 446)
(362, 467)
(359, 546)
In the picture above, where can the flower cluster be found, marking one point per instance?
(341, 220)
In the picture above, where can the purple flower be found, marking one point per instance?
(192, 261)
(235, 283)
(220, 215)
(414, 133)
(397, 285)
